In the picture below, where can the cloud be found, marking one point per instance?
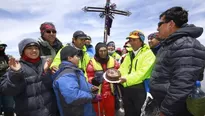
(22, 19)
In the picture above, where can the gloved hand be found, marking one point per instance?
(97, 98)
(95, 82)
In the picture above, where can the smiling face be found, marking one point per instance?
(32, 52)
(50, 36)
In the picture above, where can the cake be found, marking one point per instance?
(113, 74)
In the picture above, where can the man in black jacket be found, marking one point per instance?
(6, 102)
(179, 62)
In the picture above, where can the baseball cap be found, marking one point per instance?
(80, 35)
(136, 34)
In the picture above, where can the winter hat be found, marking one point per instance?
(136, 34)
(25, 43)
(153, 35)
(2, 44)
(68, 51)
(111, 43)
(100, 45)
(80, 35)
(47, 26)
(88, 38)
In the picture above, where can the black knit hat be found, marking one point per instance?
(68, 51)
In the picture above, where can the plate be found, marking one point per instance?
(104, 76)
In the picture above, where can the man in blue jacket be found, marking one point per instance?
(73, 92)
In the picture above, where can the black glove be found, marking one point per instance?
(95, 82)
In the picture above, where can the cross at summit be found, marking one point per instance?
(108, 12)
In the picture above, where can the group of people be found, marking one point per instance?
(52, 79)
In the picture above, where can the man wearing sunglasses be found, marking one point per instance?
(136, 67)
(154, 42)
(49, 44)
(6, 102)
(179, 62)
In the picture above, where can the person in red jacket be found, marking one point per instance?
(95, 70)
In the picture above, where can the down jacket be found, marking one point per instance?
(180, 61)
(32, 90)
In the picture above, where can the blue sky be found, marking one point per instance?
(21, 18)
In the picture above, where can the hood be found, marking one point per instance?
(187, 30)
(67, 64)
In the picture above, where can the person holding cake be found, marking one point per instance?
(95, 70)
(136, 67)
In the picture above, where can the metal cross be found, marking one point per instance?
(108, 12)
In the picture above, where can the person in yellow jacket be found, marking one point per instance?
(136, 67)
(111, 50)
(78, 41)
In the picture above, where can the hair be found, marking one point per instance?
(177, 14)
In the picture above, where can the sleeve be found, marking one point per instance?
(13, 83)
(143, 70)
(69, 89)
(117, 65)
(90, 71)
(186, 66)
(57, 60)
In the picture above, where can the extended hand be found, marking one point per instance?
(54, 69)
(14, 64)
(47, 64)
(122, 80)
(94, 88)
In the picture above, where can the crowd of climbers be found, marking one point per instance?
(52, 79)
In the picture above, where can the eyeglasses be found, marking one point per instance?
(49, 31)
(160, 23)
(2, 47)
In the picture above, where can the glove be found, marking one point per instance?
(97, 98)
(95, 82)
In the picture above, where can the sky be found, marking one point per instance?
(21, 19)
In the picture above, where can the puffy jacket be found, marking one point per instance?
(82, 63)
(32, 90)
(47, 50)
(179, 63)
(137, 68)
(73, 92)
(94, 72)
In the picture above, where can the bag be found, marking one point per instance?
(196, 101)
(196, 106)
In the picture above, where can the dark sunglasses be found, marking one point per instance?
(2, 47)
(49, 31)
(160, 23)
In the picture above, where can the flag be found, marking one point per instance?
(108, 24)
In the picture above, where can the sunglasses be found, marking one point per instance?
(49, 31)
(160, 23)
(2, 47)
